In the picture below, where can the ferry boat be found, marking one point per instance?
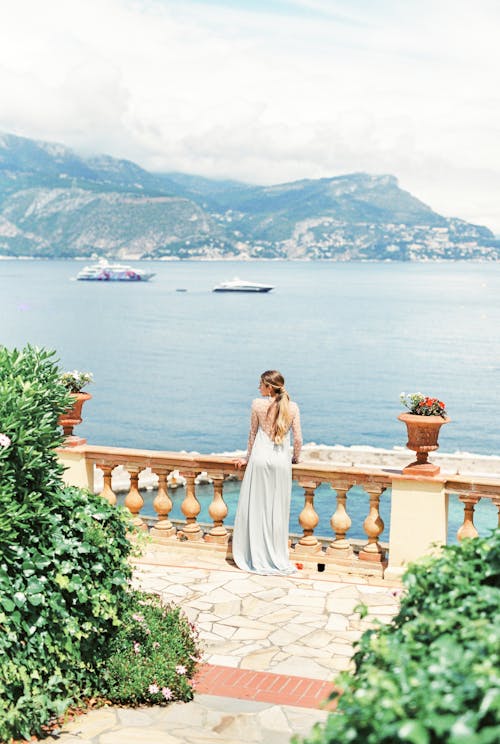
(103, 271)
(238, 285)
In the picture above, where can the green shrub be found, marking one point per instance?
(63, 556)
(432, 675)
(153, 656)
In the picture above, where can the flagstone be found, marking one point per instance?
(200, 604)
(225, 631)
(269, 594)
(346, 592)
(341, 663)
(225, 609)
(314, 619)
(274, 719)
(241, 586)
(274, 581)
(347, 635)
(259, 660)
(178, 590)
(281, 616)
(249, 648)
(243, 727)
(90, 725)
(302, 719)
(327, 586)
(129, 717)
(300, 600)
(319, 639)
(342, 605)
(340, 649)
(136, 736)
(288, 634)
(249, 633)
(223, 660)
(219, 595)
(337, 622)
(383, 609)
(239, 621)
(300, 665)
(382, 597)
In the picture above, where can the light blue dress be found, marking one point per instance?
(260, 536)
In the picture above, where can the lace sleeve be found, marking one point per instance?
(297, 435)
(254, 425)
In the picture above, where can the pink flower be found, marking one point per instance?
(137, 647)
(5, 441)
(153, 689)
(167, 693)
(138, 618)
(156, 644)
(180, 669)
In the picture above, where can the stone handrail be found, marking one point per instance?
(418, 504)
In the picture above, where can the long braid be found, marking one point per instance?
(280, 404)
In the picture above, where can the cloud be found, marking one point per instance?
(266, 92)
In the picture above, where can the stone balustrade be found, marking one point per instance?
(419, 506)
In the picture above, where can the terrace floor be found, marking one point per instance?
(272, 647)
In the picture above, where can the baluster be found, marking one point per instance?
(162, 505)
(218, 511)
(133, 500)
(308, 519)
(467, 529)
(107, 492)
(373, 526)
(190, 508)
(340, 548)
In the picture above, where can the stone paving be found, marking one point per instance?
(301, 625)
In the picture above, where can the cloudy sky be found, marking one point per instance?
(267, 91)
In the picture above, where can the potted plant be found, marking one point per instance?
(423, 421)
(74, 382)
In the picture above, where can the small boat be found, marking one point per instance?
(103, 271)
(238, 285)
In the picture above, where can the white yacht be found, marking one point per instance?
(103, 271)
(238, 285)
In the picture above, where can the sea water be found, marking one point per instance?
(178, 370)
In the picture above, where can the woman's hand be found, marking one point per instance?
(240, 462)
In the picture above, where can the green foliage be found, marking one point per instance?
(153, 656)
(431, 676)
(63, 556)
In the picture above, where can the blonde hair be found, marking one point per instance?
(281, 404)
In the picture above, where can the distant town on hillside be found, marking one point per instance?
(55, 203)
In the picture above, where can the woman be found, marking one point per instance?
(260, 537)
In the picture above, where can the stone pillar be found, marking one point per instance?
(340, 548)
(190, 507)
(218, 511)
(373, 526)
(419, 520)
(162, 506)
(107, 492)
(133, 500)
(467, 529)
(78, 471)
(308, 519)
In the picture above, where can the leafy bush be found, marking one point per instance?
(431, 676)
(69, 623)
(154, 655)
(63, 556)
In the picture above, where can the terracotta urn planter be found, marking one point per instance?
(423, 432)
(72, 417)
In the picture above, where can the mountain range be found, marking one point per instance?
(55, 203)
